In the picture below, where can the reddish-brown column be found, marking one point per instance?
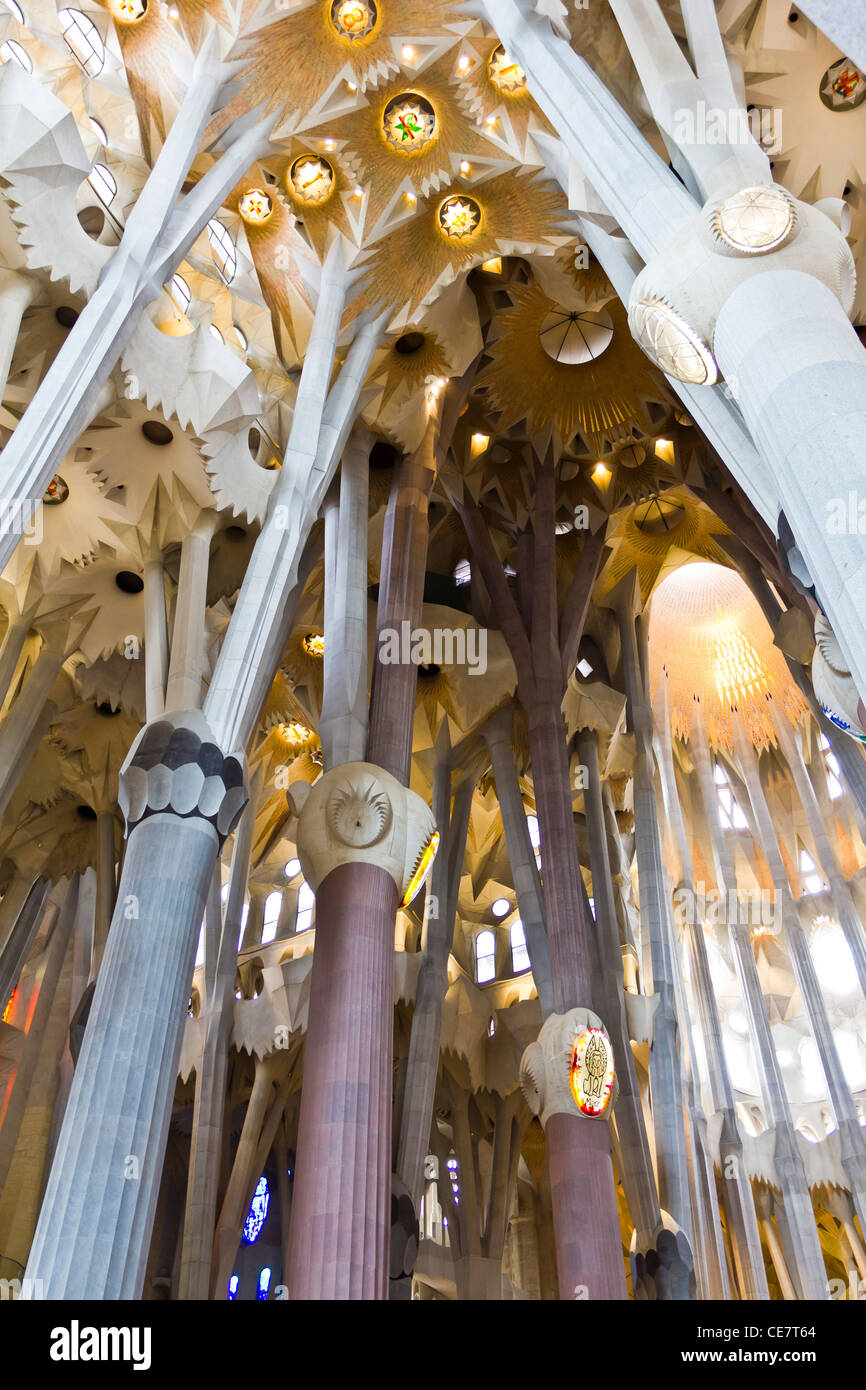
(342, 1194)
(589, 1258)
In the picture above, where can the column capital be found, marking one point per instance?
(570, 1068)
(176, 767)
(358, 813)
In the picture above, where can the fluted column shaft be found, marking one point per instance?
(338, 1242)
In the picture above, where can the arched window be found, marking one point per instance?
(293, 868)
(485, 957)
(453, 1173)
(199, 955)
(82, 37)
(834, 771)
(12, 52)
(306, 903)
(729, 808)
(180, 292)
(98, 130)
(241, 337)
(245, 912)
(273, 904)
(233, 1286)
(103, 184)
(264, 1282)
(462, 573)
(534, 837)
(257, 1212)
(15, 10)
(222, 248)
(519, 954)
(810, 879)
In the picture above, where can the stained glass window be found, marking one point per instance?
(257, 1212)
(233, 1287)
(264, 1282)
(485, 956)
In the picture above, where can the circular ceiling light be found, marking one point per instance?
(843, 86)
(501, 907)
(354, 19)
(56, 492)
(506, 75)
(672, 344)
(255, 207)
(755, 220)
(459, 217)
(575, 336)
(311, 179)
(409, 123)
(128, 11)
(314, 644)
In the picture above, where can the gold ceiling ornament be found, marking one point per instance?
(314, 644)
(311, 180)
(710, 640)
(408, 361)
(599, 398)
(459, 217)
(406, 267)
(255, 207)
(354, 20)
(413, 134)
(409, 123)
(644, 536)
(309, 42)
(633, 470)
(128, 11)
(506, 75)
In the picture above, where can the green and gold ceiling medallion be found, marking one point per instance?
(409, 123)
(128, 11)
(311, 179)
(843, 86)
(507, 76)
(56, 492)
(354, 19)
(255, 207)
(459, 217)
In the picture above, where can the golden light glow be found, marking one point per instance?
(463, 62)
(296, 734)
(459, 217)
(8, 1010)
(478, 445)
(255, 207)
(493, 266)
(354, 19)
(465, 166)
(176, 327)
(409, 123)
(314, 644)
(425, 859)
(665, 450)
(507, 76)
(408, 53)
(601, 475)
(311, 179)
(128, 11)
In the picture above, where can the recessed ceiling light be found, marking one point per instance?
(465, 166)
(463, 62)
(501, 907)
(408, 52)
(584, 667)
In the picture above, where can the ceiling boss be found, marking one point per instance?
(354, 20)
(409, 123)
(311, 179)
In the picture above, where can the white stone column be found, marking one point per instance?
(188, 632)
(155, 637)
(343, 722)
(181, 796)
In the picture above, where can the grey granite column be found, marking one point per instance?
(181, 796)
(343, 724)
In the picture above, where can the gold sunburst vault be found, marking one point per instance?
(708, 636)
(601, 399)
(272, 245)
(410, 370)
(406, 267)
(145, 48)
(384, 168)
(642, 540)
(317, 218)
(306, 44)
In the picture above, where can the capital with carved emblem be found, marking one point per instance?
(570, 1068)
(359, 814)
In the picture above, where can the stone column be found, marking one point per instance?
(581, 1176)
(521, 855)
(16, 634)
(181, 796)
(638, 1179)
(852, 1144)
(343, 722)
(183, 690)
(155, 637)
(23, 933)
(361, 835)
(765, 1206)
(105, 884)
(24, 716)
(656, 940)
